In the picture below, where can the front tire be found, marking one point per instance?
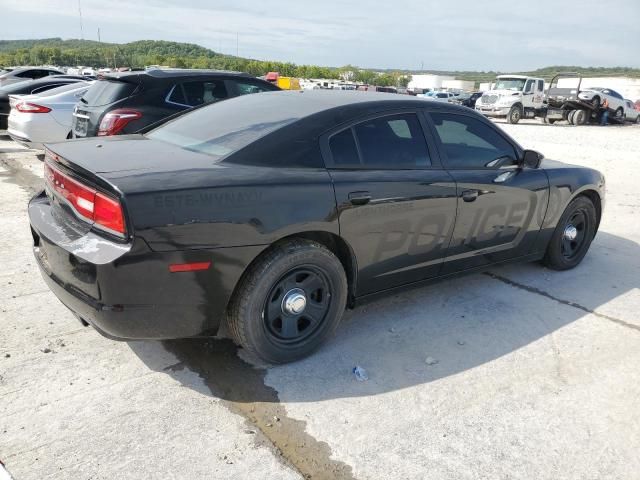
(573, 235)
(514, 115)
(289, 302)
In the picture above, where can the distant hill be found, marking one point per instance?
(56, 51)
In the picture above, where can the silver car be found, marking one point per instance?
(44, 118)
(631, 113)
(20, 74)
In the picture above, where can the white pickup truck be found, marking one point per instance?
(513, 97)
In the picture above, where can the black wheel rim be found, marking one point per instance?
(574, 234)
(283, 324)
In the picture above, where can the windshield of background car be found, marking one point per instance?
(105, 92)
(223, 128)
(510, 84)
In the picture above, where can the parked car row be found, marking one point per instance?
(59, 107)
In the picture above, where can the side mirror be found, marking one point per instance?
(531, 159)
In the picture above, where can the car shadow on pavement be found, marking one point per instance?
(418, 336)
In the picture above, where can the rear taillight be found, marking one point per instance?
(113, 122)
(95, 207)
(26, 107)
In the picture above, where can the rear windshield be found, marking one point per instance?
(64, 88)
(225, 127)
(105, 92)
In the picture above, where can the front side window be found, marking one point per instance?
(529, 86)
(540, 85)
(390, 142)
(469, 142)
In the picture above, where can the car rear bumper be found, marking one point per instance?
(24, 141)
(126, 291)
(33, 130)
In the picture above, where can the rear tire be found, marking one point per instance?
(573, 235)
(619, 115)
(514, 115)
(263, 316)
(571, 117)
(579, 117)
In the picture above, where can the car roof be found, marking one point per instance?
(176, 72)
(310, 102)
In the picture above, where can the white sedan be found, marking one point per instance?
(38, 119)
(596, 95)
(631, 113)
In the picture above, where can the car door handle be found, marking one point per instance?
(469, 195)
(359, 198)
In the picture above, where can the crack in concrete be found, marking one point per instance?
(568, 303)
(242, 389)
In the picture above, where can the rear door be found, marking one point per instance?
(500, 206)
(396, 204)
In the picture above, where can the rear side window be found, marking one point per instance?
(191, 94)
(105, 92)
(469, 142)
(343, 149)
(394, 141)
(390, 142)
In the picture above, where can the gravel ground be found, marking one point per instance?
(518, 373)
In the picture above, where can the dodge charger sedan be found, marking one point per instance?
(274, 212)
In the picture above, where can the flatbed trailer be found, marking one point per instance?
(563, 103)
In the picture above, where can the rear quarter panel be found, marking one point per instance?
(241, 206)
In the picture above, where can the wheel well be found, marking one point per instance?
(333, 242)
(340, 249)
(597, 202)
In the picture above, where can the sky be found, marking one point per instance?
(481, 35)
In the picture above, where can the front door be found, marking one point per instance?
(396, 204)
(500, 206)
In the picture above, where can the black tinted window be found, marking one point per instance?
(225, 127)
(394, 141)
(197, 93)
(44, 88)
(27, 74)
(469, 142)
(104, 92)
(343, 149)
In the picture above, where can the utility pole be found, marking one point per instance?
(98, 34)
(80, 13)
(237, 49)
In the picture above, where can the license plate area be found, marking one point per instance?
(81, 127)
